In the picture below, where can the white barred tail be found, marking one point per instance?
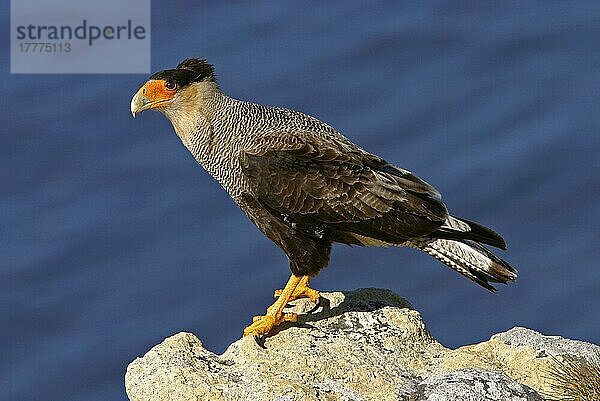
(468, 258)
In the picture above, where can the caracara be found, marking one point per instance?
(306, 186)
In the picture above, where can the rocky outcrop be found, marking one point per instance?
(367, 344)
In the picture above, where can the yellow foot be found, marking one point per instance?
(264, 324)
(305, 292)
(302, 291)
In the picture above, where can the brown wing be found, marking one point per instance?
(316, 184)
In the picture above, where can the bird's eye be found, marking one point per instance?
(170, 85)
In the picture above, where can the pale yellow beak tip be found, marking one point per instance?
(139, 103)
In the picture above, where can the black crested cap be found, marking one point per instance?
(188, 71)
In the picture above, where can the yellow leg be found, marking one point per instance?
(302, 291)
(264, 324)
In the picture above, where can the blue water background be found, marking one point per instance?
(112, 237)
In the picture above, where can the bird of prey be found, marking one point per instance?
(306, 186)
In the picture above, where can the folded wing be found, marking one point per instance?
(320, 185)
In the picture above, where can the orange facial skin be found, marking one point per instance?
(152, 94)
(156, 91)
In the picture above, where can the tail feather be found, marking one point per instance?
(461, 229)
(468, 258)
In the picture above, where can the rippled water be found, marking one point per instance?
(113, 238)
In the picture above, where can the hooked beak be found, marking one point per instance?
(139, 103)
(152, 94)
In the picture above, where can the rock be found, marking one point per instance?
(367, 344)
(473, 385)
(548, 345)
(523, 354)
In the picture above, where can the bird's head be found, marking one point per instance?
(175, 91)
